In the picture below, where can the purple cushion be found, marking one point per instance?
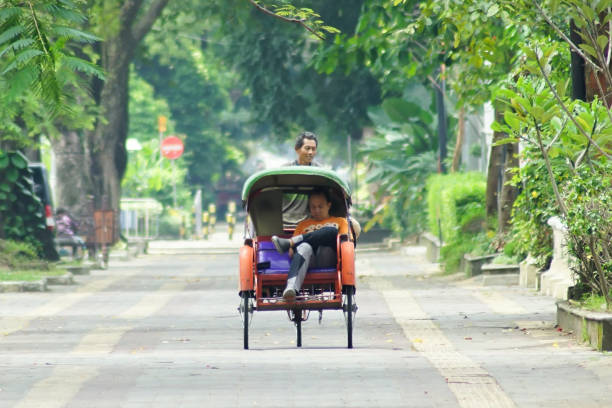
(279, 263)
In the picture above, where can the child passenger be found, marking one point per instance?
(313, 244)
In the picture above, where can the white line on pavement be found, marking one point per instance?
(153, 302)
(12, 324)
(58, 389)
(498, 303)
(473, 386)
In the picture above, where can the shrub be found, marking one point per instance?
(21, 212)
(456, 204)
(456, 211)
(173, 223)
(530, 234)
(13, 253)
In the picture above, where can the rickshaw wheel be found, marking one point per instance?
(298, 327)
(296, 316)
(349, 309)
(245, 320)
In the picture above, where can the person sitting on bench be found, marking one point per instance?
(67, 229)
(313, 244)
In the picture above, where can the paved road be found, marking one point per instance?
(163, 331)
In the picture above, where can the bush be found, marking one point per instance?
(456, 204)
(173, 224)
(21, 212)
(13, 253)
(535, 204)
(456, 209)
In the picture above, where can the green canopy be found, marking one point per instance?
(294, 177)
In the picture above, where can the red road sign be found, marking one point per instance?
(172, 147)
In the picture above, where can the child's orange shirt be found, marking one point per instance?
(309, 225)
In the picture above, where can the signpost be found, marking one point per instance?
(172, 148)
(162, 123)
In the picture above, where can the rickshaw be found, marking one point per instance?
(263, 271)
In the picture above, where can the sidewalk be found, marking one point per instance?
(217, 243)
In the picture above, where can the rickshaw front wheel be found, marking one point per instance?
(245, 317)
(349, 309)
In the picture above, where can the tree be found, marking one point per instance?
(283, 89)
(100, 153)
(37, 67)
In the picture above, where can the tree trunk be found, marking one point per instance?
(494, 172)
(508, 192)
(105, 156)
(72, 169)
(459, 144)
(108, 158)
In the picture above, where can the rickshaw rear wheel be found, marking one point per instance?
(245, 320)
(348, 309)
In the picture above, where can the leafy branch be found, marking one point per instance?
(304, 17)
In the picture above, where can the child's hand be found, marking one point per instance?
(290, 253)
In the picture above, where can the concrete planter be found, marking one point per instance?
(77, 269)
(432, 245)
(374, 235)
(23, 286)
(472, 265)
(65, 279)
(593, 328)
(559, 277)
(529, 273)
(500, 274)
(500, 269)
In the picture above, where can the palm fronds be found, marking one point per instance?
(33, 48)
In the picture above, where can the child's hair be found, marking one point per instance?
(321, 191)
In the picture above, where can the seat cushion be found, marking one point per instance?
(269, 261)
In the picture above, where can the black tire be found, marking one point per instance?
(245, 320)
(298, 327)
(349, 318)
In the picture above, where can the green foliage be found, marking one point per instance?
(453, 252)
(304, 16)
(535, 204)
(456, 212)
(588, 197)
(455, 202)
(149, 176)
(21, 212)
(282, 89)
(33, 41)
(400, 156)
(15, 253)
(568, 148)
(41, 75)
(171, 224)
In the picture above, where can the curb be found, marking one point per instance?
(77, 270)
(592, 328)
(65, 279)
(24, 286)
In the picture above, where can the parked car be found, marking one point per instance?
(43, 191)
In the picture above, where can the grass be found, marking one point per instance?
(595, 303)
(28, 275)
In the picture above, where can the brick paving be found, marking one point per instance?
(163, 331)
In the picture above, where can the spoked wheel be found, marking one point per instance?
(246, 309)
(349, 308)
(298, 329)
(297, 316)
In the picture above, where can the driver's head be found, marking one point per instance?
(319, 205)
(306, 148)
